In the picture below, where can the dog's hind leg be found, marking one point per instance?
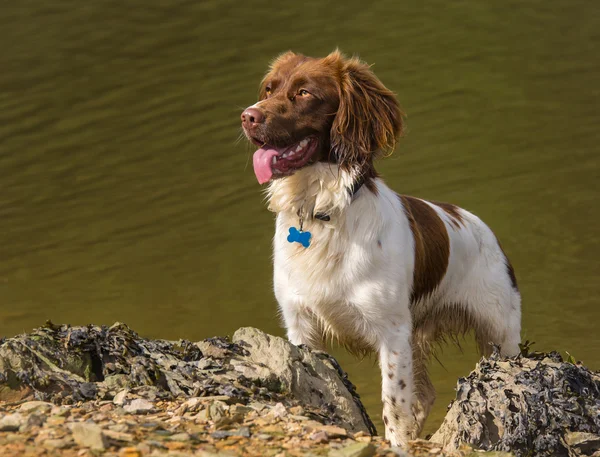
(506, 329)
(424, 395)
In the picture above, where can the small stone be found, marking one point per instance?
(36, 406)
(216, 410)
(55, 421)
(335, 432)
(354, 450)
(202, 416)
(264, 437)
(58, 443)
(11, 422)
(257, 406)
(106, 408)
(297, 410)
(239, 409)
(139, 406)
(319, 437)
(242, 431)
(119, 399)
(89, 435)
(130, 452)
(118, 436)
(62, 411)
(35, 420)
(180, 437)
(118, 428)
(278, 410)
(273, 430)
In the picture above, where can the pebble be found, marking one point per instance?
(89, 435)
(11, 422)
(119, 436)
(278, 411)
(319, 437)
(119, 399)
(334, 432)
(139, 406)
(264, 436)
(36, 420)
(130, 452)
(36, 406)
(180, 437)
(57, 443)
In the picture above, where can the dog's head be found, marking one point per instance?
(331, 109)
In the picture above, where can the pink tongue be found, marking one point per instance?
(262, 164)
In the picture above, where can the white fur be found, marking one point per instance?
(355, 280)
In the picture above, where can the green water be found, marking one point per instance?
(125, 196)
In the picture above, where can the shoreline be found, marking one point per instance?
(83, 391)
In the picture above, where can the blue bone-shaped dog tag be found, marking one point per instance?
(297, 236)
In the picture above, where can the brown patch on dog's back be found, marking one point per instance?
(432, 246)
(453, 212)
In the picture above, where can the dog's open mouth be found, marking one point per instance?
(270, 161)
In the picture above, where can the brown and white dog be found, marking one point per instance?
(354, 260)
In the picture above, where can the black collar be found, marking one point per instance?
(351, 190)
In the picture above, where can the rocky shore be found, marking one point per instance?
(83, 391)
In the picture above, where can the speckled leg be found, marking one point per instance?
(395, 358)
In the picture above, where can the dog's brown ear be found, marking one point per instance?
(368, 120)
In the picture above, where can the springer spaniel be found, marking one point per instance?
(354, 260)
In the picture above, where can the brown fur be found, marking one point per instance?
(355, 117)
(453, 212)
(432, 247)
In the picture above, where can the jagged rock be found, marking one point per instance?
(313, 376)
(528, 405)
(65, 365)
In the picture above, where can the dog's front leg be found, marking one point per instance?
(395, 358)
(301, 326)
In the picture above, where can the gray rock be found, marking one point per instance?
(57, 443)
(66, 364)
(139, 406)
(583, 443)
(525, 405)
(36, 407)
(12, 422)
(313, 376)
(119, 399)
(180, 437)
(35, 420)
(89, 435)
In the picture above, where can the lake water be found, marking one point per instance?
(125, 195)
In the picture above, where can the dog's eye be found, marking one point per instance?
(268, 91)
(303, 92)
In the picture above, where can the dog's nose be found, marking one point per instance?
(251, 117)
